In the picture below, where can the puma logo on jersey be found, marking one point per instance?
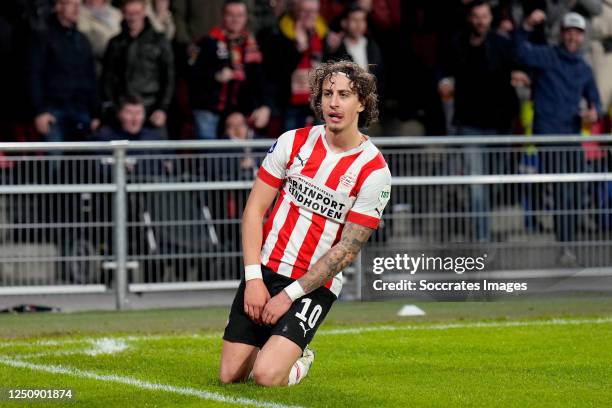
(304, 328)
(302, 161)
(271, 149)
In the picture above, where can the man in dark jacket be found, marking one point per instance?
(130, 123)
(226, 74)
(195, 18)
(562, 76)
(562, 80)
(62, 77)
(139, 61)
(481, 63)
(356, 45)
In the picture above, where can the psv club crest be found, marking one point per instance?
(348, 180)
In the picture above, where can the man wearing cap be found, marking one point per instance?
(562, 79)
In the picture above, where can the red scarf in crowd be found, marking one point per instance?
(242, 50)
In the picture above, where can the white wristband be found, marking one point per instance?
(295, 291)
(252, 272)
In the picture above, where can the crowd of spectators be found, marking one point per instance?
(77, 70)
(67, 64)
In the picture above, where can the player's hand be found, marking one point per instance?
(43, 122)
(537, 17)
(256, 296)
(276, 308)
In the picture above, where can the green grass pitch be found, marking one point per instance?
(521, 352)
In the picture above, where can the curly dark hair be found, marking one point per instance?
(362, 82)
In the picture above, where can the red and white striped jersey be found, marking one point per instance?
(320, 191)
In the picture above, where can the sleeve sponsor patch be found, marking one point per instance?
(383, 198)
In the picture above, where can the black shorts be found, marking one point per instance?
(299, 324)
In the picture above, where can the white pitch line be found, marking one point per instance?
(447, 326)
(348, 330)
(187, 391)
(104, 345)
(56, 353)
(41, 343)
(84, 340)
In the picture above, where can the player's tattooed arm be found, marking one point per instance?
(354, 236)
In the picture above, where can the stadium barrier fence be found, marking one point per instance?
(91, 217)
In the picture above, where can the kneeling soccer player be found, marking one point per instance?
(334, 185)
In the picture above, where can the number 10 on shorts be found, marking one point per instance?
(304, 316)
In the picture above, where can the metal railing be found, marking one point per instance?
(151, 216)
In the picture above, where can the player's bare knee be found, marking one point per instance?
(225, 377)
(230, 378)
(228, 375)
(268, 377)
